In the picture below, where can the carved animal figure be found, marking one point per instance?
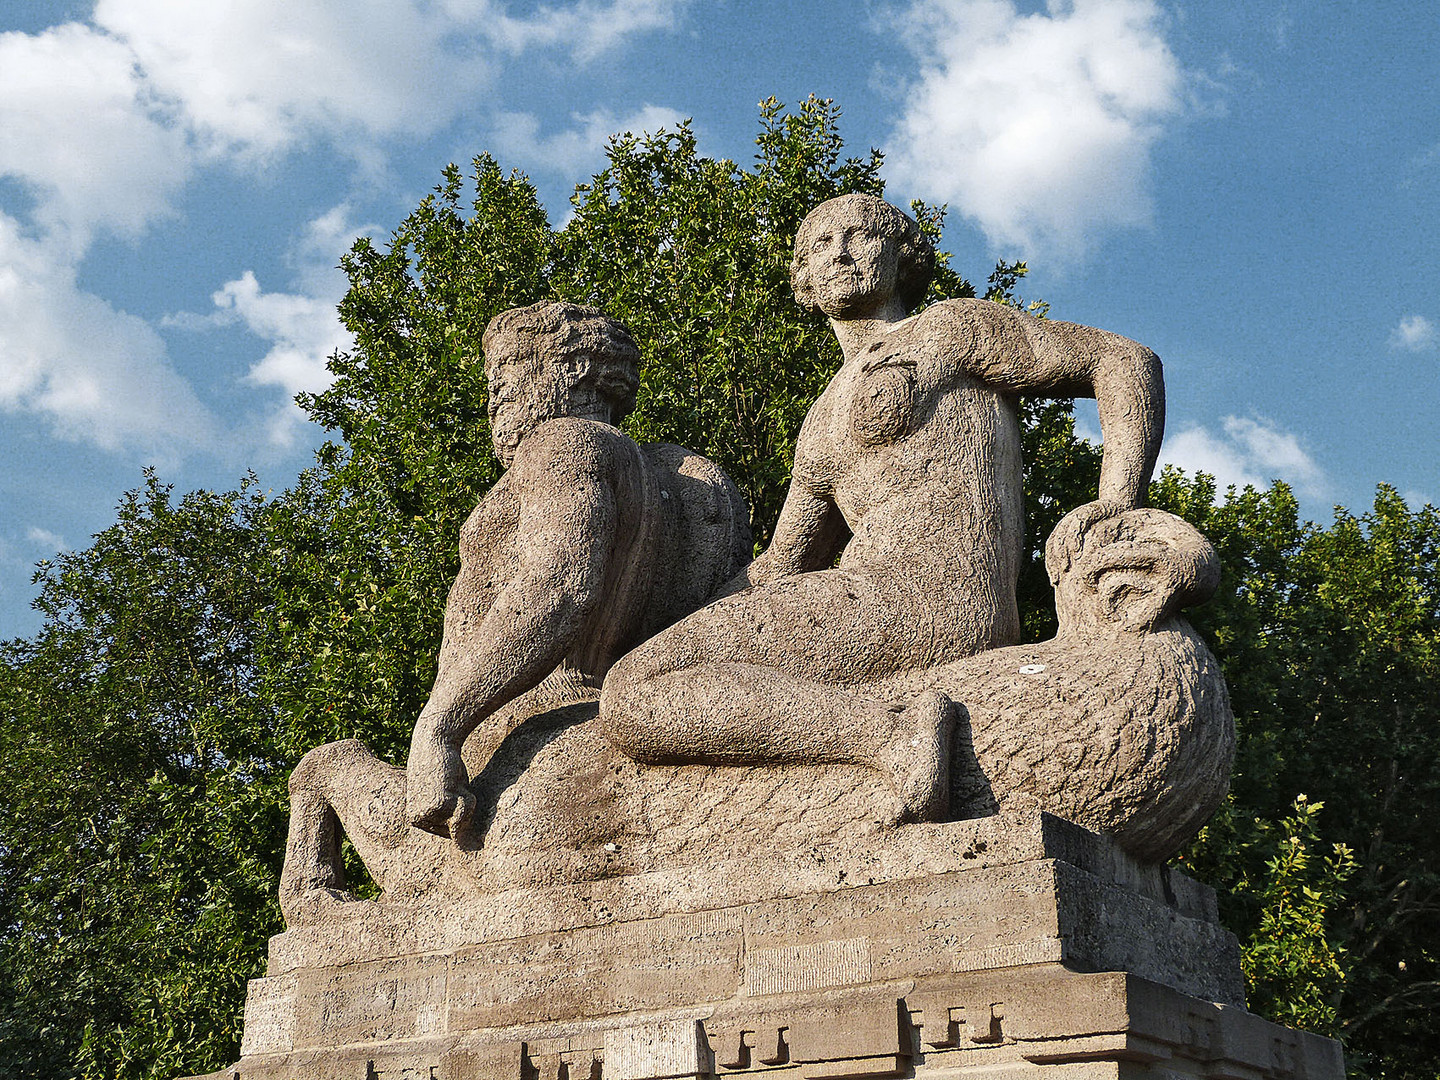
(1121, 722)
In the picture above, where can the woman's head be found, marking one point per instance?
(838, 230)
(550, 360)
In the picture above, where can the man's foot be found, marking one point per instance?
(920, 761)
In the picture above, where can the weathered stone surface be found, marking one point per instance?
(919, 864)
(806, 827)
(927, 900)
(809, 703)
(588, 544)
(1119, 723)
(990, 945)
(1037, 1023)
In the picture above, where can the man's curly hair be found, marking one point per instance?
(915, 256)
(567, 330)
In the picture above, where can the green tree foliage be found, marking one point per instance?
(1295, 967)
(200, 646)
(142, 797)
(1330, 640)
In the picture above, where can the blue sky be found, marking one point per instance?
(1253, 190)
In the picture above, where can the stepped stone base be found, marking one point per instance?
(1002, 948)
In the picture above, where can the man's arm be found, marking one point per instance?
(564, 536)
(1028, 355)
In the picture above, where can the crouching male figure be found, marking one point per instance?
(587, 545)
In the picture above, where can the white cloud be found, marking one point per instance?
(103, 123)
(1038, 127)
(1415, 333)
(587, 29)
(1249, 451)
(100, 375)
(316, 254)
(578, 149)
(301, 328)
(303, 332)
(77, 129)
(1416, 499)
(263, 75)
(80, 133)
(45, 540)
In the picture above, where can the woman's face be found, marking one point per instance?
(853, 269)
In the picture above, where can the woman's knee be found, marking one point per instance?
(620, 694)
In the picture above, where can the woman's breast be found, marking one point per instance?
(952, 486)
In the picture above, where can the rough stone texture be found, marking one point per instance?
(773, 695)
(637, 848)
(1036, 1023)
(899, 543)
(1003, 947)
(1122, 722)
(1118, 724)
(588, 544)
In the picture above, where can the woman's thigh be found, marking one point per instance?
(834, 626)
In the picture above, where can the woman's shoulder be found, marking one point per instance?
(967, 328)
(968, 310)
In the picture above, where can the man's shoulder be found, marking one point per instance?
(672, 460)
(572, 442)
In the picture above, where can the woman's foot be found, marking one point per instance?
(920, 760)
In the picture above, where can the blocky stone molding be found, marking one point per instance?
(997, 948)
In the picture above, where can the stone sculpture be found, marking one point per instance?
(908, 470)
(811, 826)
(878, 630)
(587, 545)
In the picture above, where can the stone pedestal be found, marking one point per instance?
(999, 948)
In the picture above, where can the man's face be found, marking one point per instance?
(535, 383)
(853, 269)
(515, 398)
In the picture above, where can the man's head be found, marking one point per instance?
(857, 250)
(552, 360)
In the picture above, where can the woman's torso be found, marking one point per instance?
(924, 462)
